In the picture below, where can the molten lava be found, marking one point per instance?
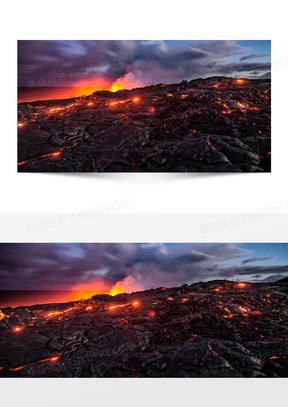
(117, 85)
(117, 289)
(17, 329)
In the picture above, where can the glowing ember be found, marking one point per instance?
(17, 329)
(151, 109)
(21, 124)
(90, 104)
(240, 81)
(241, 105)
(135, 304)
(88, 308)
(136, 100)
(52, 314)
(40, 361)
(41, 156)
(151, 313)
(241, 285)
(55, 109)
(243, 309)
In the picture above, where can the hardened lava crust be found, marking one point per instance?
(214, 329)
(217, 124)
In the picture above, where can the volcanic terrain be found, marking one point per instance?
(217, 124)
(213, 329)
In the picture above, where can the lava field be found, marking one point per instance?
(217, 124)
(214, 329)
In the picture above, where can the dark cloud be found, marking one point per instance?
(249, 271)
(139, 63)
(253, 259)
(254, 56)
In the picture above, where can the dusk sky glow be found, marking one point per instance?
(89, 66)
(136, 266)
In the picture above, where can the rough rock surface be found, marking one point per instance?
(213, 329)
(205, 125)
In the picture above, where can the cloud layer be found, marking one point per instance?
(48, 266)
(137, 63)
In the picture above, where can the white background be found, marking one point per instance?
(84, 194)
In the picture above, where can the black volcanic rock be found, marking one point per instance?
(205, 125)
(215, 329)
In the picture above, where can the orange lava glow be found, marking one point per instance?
(241, 284)
(116, 289)
(41, 156)
(21, 124)
(135, 304)
(40, 361)
(117, 85)
(239, 81)
(90, 85)
(55, 109)
(88, 308)
(241, 105)
(17, 329)
(90, 104)
(123, 101)
(243, 309)
(87, 290)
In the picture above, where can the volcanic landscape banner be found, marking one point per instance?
(143, 310)
(144, 106)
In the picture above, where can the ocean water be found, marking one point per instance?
(16, 298)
